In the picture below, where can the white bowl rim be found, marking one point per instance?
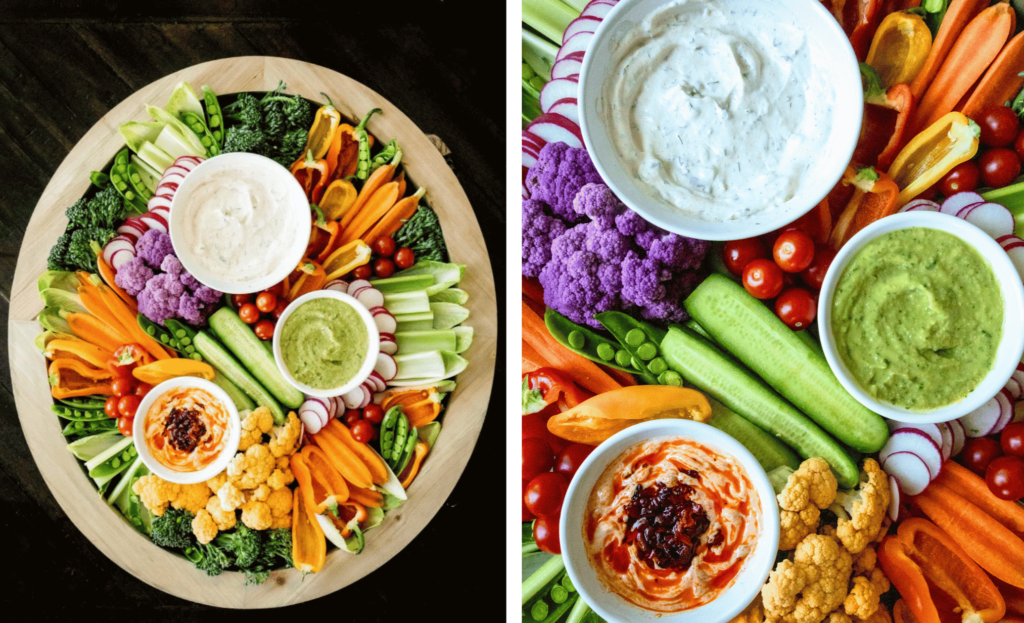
(373, 343)
(227, 452)
(749, 580)
(1011, 347)
(843, 140)
(220, 281)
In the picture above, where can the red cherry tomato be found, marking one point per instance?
(537, 457)
(264, 329)
(979, 453)
(1012, 439)
(814, 275)
(384, 247)
(1004, 477)
(266, 302)
(373, 413)
(1018, 145)
(962, 177)
(351, 417)
(240, 299)
(110, 407)
(122, 386)
(545, 534)
(569, 460)
(999, 126)
(362, 272)
(125, 424)
(536, 425)
(999, 167)
(404, 257)
(128, 405)
(738, 253)
(793, 251)
(142, 389)
(282, 304)
(249, 313)
(527, 515)
(363, 431)
(762, 279)
(545, 493)
(383, 268)
(796, 308)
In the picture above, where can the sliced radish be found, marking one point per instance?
(1018, 375)
(1016, 253)
(329, 406)
(992, 218)
(557, 129)
(576, 44)
(367, 395)
(158, 201)
(310, 421)
(353, 398)
(932, 430)
(188, 162)
(894, 498)
(567, 67)
(388, 344)
(318, 407)
(528, 161)
(1014, 387)
(959, 435)
(379, 384)
(558, 89)
(129, 234)
(583, 23)
(121, 257)
(1005, 411)
(386, 366)
(568, 108)
(155, 221)
(137, 223)
(337, 285)
(537, 141)
(173, 175)
(531, 149)
(370, 297)
(167, 188)
(175, 169)
(958, 201)
(947, 441)
(926, 205)
(982, 420)
(132, 229)
(385, 322)
(597, 9)
(357, 285)
(909, 470)
(117, 243)
(916, 442)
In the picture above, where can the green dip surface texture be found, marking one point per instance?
(917, 317)
(324, 343)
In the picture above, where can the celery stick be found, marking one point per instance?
(548, 17)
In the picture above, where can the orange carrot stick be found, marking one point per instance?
(93, 330)
(1001, 83)
(107, 273)
(583, 371)
(958, 15)
(973, 488)
(344, 460)
(378, 471)
(121, 318)
(532, 359)
(378, 178)
(372, 211)
(395, 217)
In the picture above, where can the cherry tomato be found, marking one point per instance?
(537, 457)
(1018, 145)
(545, 534)
(128, 405)
(527, 515)
(569, 460)
(363, 432)
(762, 279)
(240, 299)
(999, 126)
(110, 407)
(279, 308)
(536, 425)
(127, 357)
(999, 167)
(351, 417)
(979, 453)
(738, 253)
(1012, 439)
(793, 251)
(266, 302)
(814, 275)
(122, 386)
(249, 313)
(373, 413)
(384, 247)
(1004, 477)
(142, 389)
(125, 425)
(404, 257)
(545, 493)
(796, 308)
(383, 268)
(264, 329)
(963, 177)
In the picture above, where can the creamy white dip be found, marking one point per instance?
(718, 107)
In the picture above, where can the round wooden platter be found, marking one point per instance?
(462, 420)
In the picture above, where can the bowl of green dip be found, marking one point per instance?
(920, 317)
(326, 343)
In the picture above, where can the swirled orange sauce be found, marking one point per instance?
(720, 486)
(186, 429)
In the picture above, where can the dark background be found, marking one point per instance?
(63, 65)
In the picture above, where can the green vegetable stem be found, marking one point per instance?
(360, 134)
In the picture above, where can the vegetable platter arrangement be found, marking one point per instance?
(881, 518)
(252, 330)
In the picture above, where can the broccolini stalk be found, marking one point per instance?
(359, 133)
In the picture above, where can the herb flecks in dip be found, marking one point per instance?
(649, 502)
(324, 343)
(917, 318)
(186, 428)
(718, 107)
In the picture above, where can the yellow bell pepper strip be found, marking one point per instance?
(309, 546)
(338, 197)
(325, 126)
(310, 172)
(166, 369)
(93, 330)
(414, 466)
(344, 460)
(312, 278)
(373, 462)
(78, 350)
(920, 556)
(363, 137)
(874, 197)
(345, 259)
(899, 48)
(932, 153)
(882, 132)
(70, 378)
(322, 486)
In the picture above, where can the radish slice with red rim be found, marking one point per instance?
(557, 129)
(158, 201)
(120, 258)
(566, 68)
(557, 90)
(909, 470)
(916, 442)
(357, 285)
(370, 297)
(337, 285)
(385, 322)
(310, 421)
(959, 436)
(1005, 411)
(353, 398)
(981, 421)
(568, 108)
(576, 44)
(367, 395)
(388, 345)
(958, 201)
(386, 367)
(583, 23)
(932, 430)
(947, 440)
(894, 498)
(991, 218)
(920, 204)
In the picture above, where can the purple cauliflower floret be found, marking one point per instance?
(172, 265)
(539, 230)
(558, 175)
(161, 298)
(133, 275)
(576, 282)
(598, 202)
(190, 282)
(153, 247)
(678, 252)
(207, 294)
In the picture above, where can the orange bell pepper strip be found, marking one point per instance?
(920, 556)
(373, 462)
(312, 278)
(899, 48)
(414, 466)
(337, 198)
(344, 460)
(327, 482)
(311, 174)
(366, 497)
(70, 378)
(309, 545)
(887, 113)
(874, 198)
(339, 142)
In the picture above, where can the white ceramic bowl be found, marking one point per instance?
(610, 606)
(296, 207)
(226, 453)
(1010, 348)
(827, 39)
(373, 341)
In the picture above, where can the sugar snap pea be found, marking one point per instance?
(115, 464)
(90, 427)
(401, 440)
(136, 184)
(360, 134)
(639, 340)
(206, 137)
(65, 412)
(120, 178)
(185, 336)
(85, 402)
(214, 115)
(586, 342)
(387, 432)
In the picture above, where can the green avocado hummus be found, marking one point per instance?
(324, 343)
(917, 317)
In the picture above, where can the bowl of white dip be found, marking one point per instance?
(720, 119)
(240, 223)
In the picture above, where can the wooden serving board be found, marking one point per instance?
(462, 420)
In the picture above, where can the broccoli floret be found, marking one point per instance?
(245, 110)
(422, 234)
(81, 249)
(58, 258)
(173, 529)
(78, 214)
(243, 543)
(274, 123)
(299, 112)
(247, 139)
(292, 144)
(107, 208)
(212, 559)
(277, 544)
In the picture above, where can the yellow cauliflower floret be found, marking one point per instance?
(811, 585)
(231, 497)
(217, 481)
(285, 437)
(807, 490)
(280, 478)
(284, 521)
(192, 498)
(204, 526)
(226, 519)
(251, 469)
(155, 492)
(839, 617)
(257, 515)
(280, 502)
(284, 462)
(881, 615)
(864, 562)
(260, 493)
(862, 601)
(258, 423)
(862, 510)
(795, 525)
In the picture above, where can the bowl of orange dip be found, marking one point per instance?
(186, 430)
(670, 520)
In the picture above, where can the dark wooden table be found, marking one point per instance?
(63, 64)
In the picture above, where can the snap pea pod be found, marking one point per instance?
(360, 134)
(586, 342)
(388, 427)
(136, 184)
(642, 342)
(206, 137)
(119, 177)
(185, 336)
(407, 451)
(401, 440)
(157, 332)
(384, 155)
(117, 462)
(99, 179)
(90, 427)
(549, 593)
(85, 402)
(214, 115)
(65, 412)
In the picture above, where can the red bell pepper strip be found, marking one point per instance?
(875, 196)
(546, 387)
(312, 174)
(886, 113)
(859, 20)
